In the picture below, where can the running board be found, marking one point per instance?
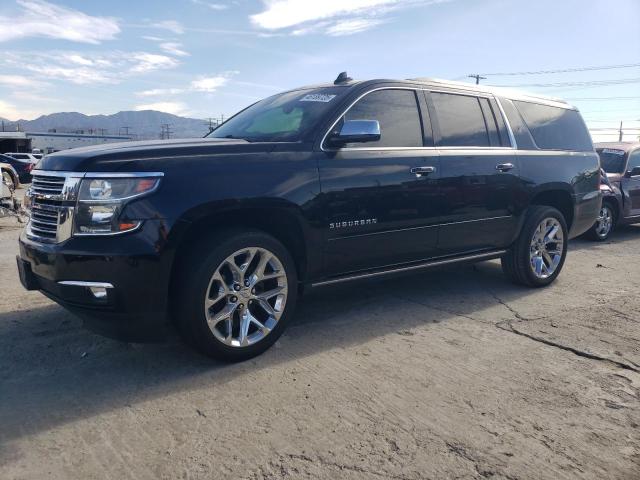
(421, 266)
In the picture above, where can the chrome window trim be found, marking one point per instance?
(512, 137)
(53, 173)
(488, 96)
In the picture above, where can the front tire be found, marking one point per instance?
(538, 255)
(237, 292)
(605, 224)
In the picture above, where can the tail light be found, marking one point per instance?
(30, 167)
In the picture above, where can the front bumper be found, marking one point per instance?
(133, 270)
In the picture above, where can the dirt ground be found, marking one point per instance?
(453, 373)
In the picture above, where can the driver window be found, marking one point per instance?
(397, 113)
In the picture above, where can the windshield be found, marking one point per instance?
(612, 160)
(285, 117)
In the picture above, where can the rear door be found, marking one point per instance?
(631, 185)
(478, 173)
(377, 211)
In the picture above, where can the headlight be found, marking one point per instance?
(101, 200)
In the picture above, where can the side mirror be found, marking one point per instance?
(356, 131)
(634, 172)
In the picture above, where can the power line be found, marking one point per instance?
(590, 83)
(602, 98)
(565, 70)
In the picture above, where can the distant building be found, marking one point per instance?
(15, 142)
(52, 141)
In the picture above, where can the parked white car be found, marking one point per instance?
(25, 157)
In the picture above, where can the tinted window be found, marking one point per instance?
(284, 117)
(397, 113)
(612, 160)
(520, 132)
(634, 160)
(490, 121)
(555, 128)
(461, 121)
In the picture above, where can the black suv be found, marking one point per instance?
(314, 186)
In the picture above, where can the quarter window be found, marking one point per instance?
(555, 128)
(460, 120)
(397, 113)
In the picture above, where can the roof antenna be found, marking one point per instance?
(342, 78)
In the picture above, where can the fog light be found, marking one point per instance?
(99, 293)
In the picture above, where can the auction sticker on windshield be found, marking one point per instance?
(317, 97)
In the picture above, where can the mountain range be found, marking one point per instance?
(145, 124)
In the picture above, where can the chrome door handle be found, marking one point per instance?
(420, 171)
(504, 167)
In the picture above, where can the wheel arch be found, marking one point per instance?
(14, 175)
(282, 223)
(558, 198)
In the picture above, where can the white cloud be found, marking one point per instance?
(209, 84)
(212, 6)
(176, 108)
(349, 27)
(147, 62)
(43, 19)
(157, 92)
(171, 25)
(96, 68)
(332, 17)
(174, 48)
(20, 81)
(13, 113)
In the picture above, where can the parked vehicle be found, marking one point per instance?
(621, 188)
(8, 203)
(27, 157)
(311, 187)
(10, 178)
(22, 167)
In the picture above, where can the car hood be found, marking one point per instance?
(115, 157)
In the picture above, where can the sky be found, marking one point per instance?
(207, 58)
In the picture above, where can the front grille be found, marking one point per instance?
(41, 185)
(52, 203)
(44, 221)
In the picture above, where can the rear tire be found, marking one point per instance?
(538, 255)
(605, 224)
(237, 290)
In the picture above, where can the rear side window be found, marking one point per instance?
(397, 113)
(460, 120)
(555, 128)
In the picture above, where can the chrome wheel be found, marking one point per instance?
(604, 223)
(547, 246)
(246, 297)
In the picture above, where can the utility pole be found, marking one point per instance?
(212, 124)
(478, 77)
(621, 134)
(166, 132)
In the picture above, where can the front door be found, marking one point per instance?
(631, 185)
(379, 210)
(478, 174)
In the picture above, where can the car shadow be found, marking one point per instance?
(53, 371)
(622, 234)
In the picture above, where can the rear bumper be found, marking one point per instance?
(585, 212)
(132, 305)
